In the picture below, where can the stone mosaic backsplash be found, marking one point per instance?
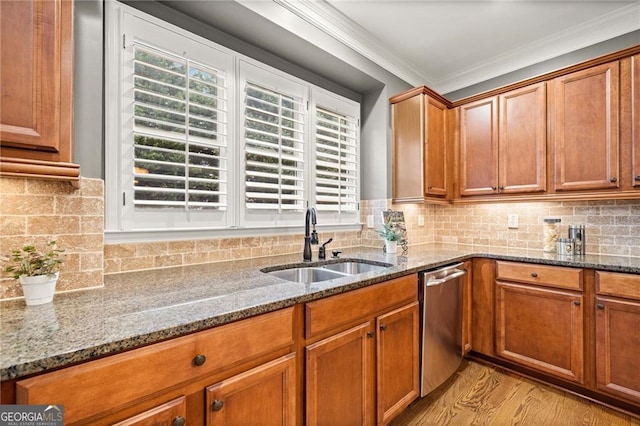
(34, 211)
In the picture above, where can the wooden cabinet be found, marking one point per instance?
(503, 143)
(617, 315)
(419, 146)
(265, 395)
(362, 354)
(635, 119)
(172, 413)
(340, 382)
(134, 382)
(540, 326)
(479, 147)
(398, 352)
(36, 80)
(584, 114)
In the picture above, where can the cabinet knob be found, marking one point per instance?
(534, 274)
(600, 306)
(383, 327)
(217, 405)
(613, 179)
(576, 302)
(493, 188)
(371, 334)
(501, 188)
(178, 421)
(198, 360)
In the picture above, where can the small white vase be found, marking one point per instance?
(390, 246)
(39, 289)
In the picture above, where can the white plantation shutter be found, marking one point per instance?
(336, 167)
(274, 149)
(180, 147)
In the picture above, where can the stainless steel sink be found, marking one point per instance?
(323, 271)
(353, 268)
(306, 275)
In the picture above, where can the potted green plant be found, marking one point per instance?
(391, 237)
(36, 270)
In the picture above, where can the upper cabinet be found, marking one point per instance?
(584, 112)
(635, 118)
(419, 147)
(36, 80)
(503, 143)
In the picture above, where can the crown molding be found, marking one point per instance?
(605, 27)
(326, 18)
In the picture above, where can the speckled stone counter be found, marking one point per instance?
(139, 308)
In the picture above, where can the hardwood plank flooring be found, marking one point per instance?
(482, 395)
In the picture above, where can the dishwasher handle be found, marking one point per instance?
(456, 273)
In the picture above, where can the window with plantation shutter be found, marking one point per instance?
(179, 142)
(274, 149)
(336, 165)
(201, 141)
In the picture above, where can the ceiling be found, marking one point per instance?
(447, 45)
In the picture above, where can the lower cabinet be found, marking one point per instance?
(172, 413)
(265, 395)
(541, 328)
(617, 318)
(362, 356)
(540, 318)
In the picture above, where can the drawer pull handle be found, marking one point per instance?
(217, 405)
(576, 302)
(371, 334)
(534, 274)
(383, 327)
(199, 360)
(178, 421)
(637, 178)
(600, 306)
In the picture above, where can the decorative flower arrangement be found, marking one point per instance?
(30, 262)
(37, 271)
(389, 233)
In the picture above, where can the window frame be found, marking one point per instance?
(236, 220)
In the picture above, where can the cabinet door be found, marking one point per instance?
(635, 118)
(398, 355)
(523, 139)
(479, 147)
(584, 114)
(265, 395)
(408, 155)
(172, 413)
(36, 78)
(541, 328)
(617, 343)
(435, 148)
(341, 379)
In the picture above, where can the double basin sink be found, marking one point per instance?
(325, 271)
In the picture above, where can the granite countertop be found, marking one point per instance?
(139, 308)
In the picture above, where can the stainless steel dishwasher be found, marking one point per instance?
(441, 312)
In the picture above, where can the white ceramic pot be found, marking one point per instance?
(390, 246)
(39, 289)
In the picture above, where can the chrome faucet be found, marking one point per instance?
(310, 236)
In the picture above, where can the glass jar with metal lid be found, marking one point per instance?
(551, 234)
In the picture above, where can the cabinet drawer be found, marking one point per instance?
(341, 310)
(548, 276)
(123, 378)
(617, 284)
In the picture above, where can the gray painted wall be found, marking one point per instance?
(366, 82)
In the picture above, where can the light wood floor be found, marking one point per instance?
(481, 395)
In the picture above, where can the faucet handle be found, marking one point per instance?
(335, 253)
(328, 241)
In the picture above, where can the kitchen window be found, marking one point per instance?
(202, 138)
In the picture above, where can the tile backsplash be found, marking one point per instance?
(34, 211)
